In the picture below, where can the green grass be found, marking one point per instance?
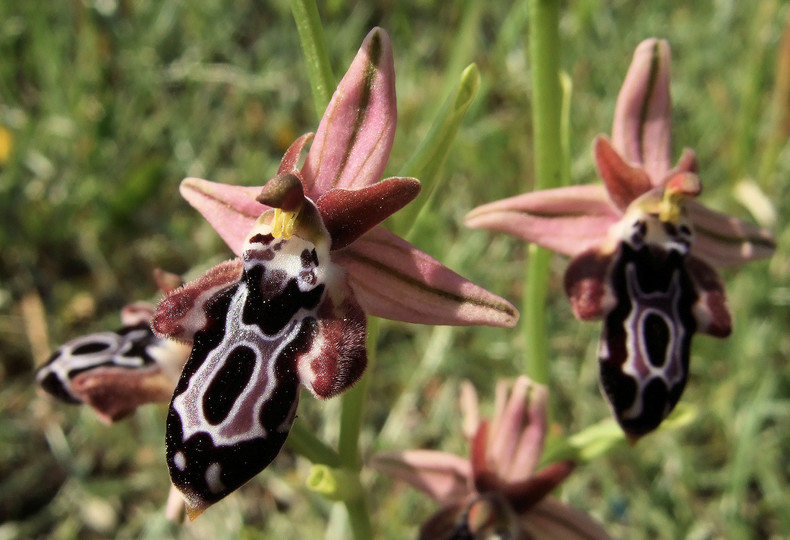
(111, 103)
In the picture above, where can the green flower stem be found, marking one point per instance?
(544, 47)
(534, 314)
(304, 442)
(311, 35)
(359, 518)
(427, 161)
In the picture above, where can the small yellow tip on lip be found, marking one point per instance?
(193, 512)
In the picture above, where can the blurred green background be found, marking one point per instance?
(105, 105)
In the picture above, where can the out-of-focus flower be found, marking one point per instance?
(642, 250)
(573, 219)
(499, 492)
(291, 310)
(115, 372)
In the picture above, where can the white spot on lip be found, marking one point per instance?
(213, 480)
(180, 460)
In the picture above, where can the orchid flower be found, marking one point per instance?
(291, 309)
(115, 372)
(499, 491)
(642, 250)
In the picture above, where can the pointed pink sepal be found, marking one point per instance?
(230, 210)
(566, 220)
(444, 477)
(642, 118)
(394, 280)
(623, 182)
(723, 240)
(354, 138)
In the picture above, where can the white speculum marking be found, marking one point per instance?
(180, 460)
(242, 423)
(213, 478)
(641, 307)
(116, 346)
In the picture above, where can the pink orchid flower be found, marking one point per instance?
(499, 491)
(115, 372)
(291, 310)
(572, 219)
(642, 250)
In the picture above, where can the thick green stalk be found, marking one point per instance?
(544, 47)
(304, 442)
(311, 35)
(428, 160)
(359, 518)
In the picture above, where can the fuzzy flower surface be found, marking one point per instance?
(290, 311)
(643, 249)
(499, 491)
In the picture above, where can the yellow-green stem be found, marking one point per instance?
(311, 35)
(304, 442)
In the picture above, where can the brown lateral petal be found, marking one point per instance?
(116, 392)
(182, 312)
(585, 284)
(527, 493)
(484, 477)
(623, 181)
(443, 523)
(710, 311)
(686, 163)
(348, 214)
